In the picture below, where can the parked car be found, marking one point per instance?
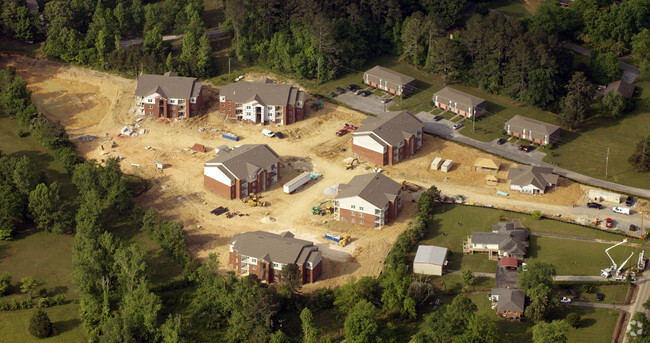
(502, 141)
(437, 118)
(331, 95)
(365, 93)
(629, 201)
(621, 210)
(340, 90)
(526, 148)
(268, 133)
(384, 100)
(600, 296)
(633, 227)
(341, 132)
(608, 222)
(350, 127)
(352, 87)
(457, 126)
(279, 135)
(565, 300)
(594, 205)
(358, 91)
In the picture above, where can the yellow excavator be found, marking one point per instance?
(351, 165)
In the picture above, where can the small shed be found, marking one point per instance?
(430, 260)
(198, 147)
(436, 163)
(491, 180)
(509, 262)
(487, 164)
(446, 166)
(160, 165)
(599, 195)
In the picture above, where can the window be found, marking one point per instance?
(173, 108)
(343, 219)
(253, 260)
(253, 267)
(150, 113)
(270, 108)
(360, 208)
(377, 211)
(360, 215)
(275, 279)
(360, 221)
(352, 206)
(351, 220)
(352, 213)
(228, 109)
(276, 265)
(248, 107)
(149, 106)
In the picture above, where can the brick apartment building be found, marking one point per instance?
(263, 102)
(370, 200)
(389, 81)
(168, 96)
(388, 138)
(234, 174)
(265, 254)
(459, 102)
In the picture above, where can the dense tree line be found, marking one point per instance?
(17, 21)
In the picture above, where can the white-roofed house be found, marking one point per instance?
(430, 260)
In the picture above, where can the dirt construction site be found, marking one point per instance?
(91, 103)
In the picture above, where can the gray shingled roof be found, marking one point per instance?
(430, 254)
(532, 125)
(626, 89)
(525, 175)
(168, 86)
(377, 189)
(511, 238)
(266, 93)
(270, 247)
(389, 75)
(245, 161)
(510, 299)
(457, 96)
(392, 127)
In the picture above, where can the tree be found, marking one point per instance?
(480, 329)
(613, 105)
(640, 159)
(360, 324)
(468, 277)
(309, 329)
(445, 57)
(27, 285)
(279, 337)
(171, 330)
(24, 177)
(537, 215)
(152, 41)
(641, 44)
(576, 103)
(605, 67)
(427, 200)
(554, 332)
(291, 279)
(40, 325)
(130, 266)
(5, 282)
(459, 313)
(638, 328)
(537, 273)
(543, 302)
(573, 319)
(541, 88)
(48, 209)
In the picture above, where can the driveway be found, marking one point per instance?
(443, 129)
(212, 34)
(368, 104)
(630, 72)
(643, 291)
(625, 308)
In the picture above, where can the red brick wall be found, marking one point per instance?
(316, 272)
(225, 105)
(368, 219)
(225, 191)
(369, 155)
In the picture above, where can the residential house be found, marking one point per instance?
(388, 138)
(459, 102)
(505, 240)
(168, 96)
(389, 81)
(370, 200)
(263, 102)
(266, 254)
(532, 130)
(487, 164)
(626, 89)
(234, 174)
(430, 260)
(532, 180)
(509, 303)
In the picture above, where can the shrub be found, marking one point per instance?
(324, 299)
(537, 215)
(5, 282)
(504, 132)
(42, 292)
(588, 288)
(59, 299)
(40, 325)
(21, 133)
(573, 319)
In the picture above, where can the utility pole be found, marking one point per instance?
(607, 162)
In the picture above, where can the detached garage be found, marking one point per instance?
(430, 260)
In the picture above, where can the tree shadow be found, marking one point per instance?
(57, 290)
(66, 325)
(587, 322)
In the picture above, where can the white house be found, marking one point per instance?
(531, 180)
(370, 200)
(430, 260)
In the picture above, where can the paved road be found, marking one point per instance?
(212, 34)
(443, 128)
(642, 294)
(625, 308)
(630, 72)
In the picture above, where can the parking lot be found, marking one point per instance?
(369, 104)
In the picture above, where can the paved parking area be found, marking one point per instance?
(368, 104)
(506, 278)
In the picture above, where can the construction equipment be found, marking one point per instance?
(350, 165)
(597, 221)
(619, 275)
(607, 272)
(251, 197)
(410, 186)
(640, 265)
(322, 209)
(315, 176)
(256, 203)
(340, 240)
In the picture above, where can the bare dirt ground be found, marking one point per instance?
(94, 103)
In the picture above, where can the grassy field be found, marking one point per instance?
(614, 294)
(65, 318)
(512, 8)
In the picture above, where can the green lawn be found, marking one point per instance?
(65, 319)
(511, 8)
(614, 294)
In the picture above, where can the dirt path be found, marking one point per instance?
(595, 240)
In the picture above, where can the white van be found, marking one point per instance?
(268, 133)
(622, 210)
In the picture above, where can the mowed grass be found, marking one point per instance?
(511, 8)
(65, 319)
(614, 294)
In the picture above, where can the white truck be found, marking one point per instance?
(296, 182)
(622, 210)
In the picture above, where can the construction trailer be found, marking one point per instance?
(446, 166)
(599, 195)
(230, 136)
(436, 163)
(338, 239)
(297, 182)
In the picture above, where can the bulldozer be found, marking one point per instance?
(251, 197)
(321, 209)
(411, 187)
(256, 203)
(338, 239)
(351, 165)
